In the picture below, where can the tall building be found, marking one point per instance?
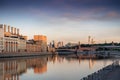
(1, 38)
(59, 44)
(89, 37)
(41, 40)
(11, 40)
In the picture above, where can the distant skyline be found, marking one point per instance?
(64, 20)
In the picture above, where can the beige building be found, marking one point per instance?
(42, 41)
(21, 44)
(38, 44)
(1, 38)
(32, 46)
(10, 40)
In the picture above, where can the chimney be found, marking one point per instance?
(4, 28)
(8, 28)
(14, 30)
(17, 31)
(89, 37)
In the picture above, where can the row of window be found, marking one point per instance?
(1, 42)
(1, 47)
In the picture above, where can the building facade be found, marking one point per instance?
(42, 41)
(1, 38)
(10, 40)
(32, 46)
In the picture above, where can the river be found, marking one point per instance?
(49, 68)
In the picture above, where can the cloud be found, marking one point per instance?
(59, 18)
(93, 14)
(57, 11)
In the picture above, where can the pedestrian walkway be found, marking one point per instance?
(110, 72)
(114, 75)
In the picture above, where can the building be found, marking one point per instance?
(40, 38)
(42, 41)
(1, 38)
(60, 44)
(11, 40)
(21, 44)
(71, 44)
(33, 46)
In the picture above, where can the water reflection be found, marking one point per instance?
(61, 59)
(10, 70)
(38, 64)
(52, 67)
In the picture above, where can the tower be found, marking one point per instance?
(89, 37)
(8, 28)
(17, 31)
(12, 30)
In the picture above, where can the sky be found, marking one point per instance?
(64, 20)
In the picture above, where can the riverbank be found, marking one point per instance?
(114, 75)
(110, 72)
(23, 54)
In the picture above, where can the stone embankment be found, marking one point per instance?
(105, 73)
(23, 54)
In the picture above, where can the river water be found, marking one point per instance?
(49, 68)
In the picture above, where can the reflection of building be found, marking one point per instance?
(40, 70)
(56, 58)
(11, 40)
(21, 67)
(1, 71)
(10, 70)
(39, 65)
(91, 63)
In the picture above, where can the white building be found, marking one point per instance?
(1, 38)
(10, 40)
